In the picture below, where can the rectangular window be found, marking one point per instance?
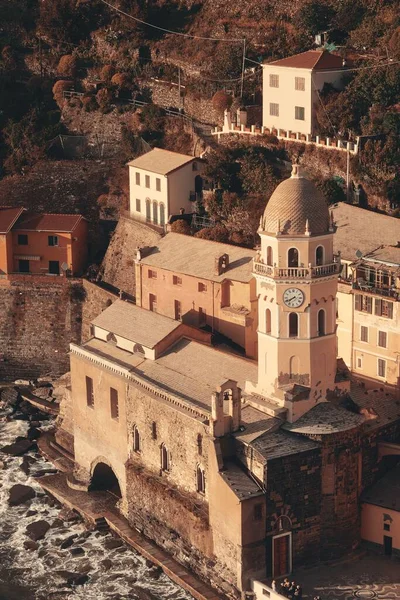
(114, 404)
(382, 339)
(299, 113)
(194, 166)
(202, 287)
(300, 84)
(258, 512)
(147, 181)
(137, 178)
(274, 109)
(381, 367)
(178, 310)
(158, 184)
(364, 334)
(386, 527)
(274, 81)
(152, 274)
(52, 240)
(359, 363)
(137, 204)
(384, 308)
(22, 239)
(176, 280)
(89, 392)
(154, 430)
(363, 303)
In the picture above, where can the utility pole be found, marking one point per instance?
(179, 87)
(243, 65)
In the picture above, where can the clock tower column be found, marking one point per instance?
(296, 275)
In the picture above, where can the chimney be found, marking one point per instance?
(221, 264)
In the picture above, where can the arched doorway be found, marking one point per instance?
(104, 479)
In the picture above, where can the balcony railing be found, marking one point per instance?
(297, 272)
(369, 288)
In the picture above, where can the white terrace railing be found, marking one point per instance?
(287, 135)
(296, 272)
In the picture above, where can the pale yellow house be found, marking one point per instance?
(161, 183)
(291, 87)
(368, 300)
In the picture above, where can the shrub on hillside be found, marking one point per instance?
(221, 101)
(181, 226)
(67, 66)
(61, 86)
(106, 73)
(89, 103)
(218, 233)
(104, 99)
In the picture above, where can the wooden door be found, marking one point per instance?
(281, 550)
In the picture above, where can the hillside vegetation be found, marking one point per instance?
(48, 47)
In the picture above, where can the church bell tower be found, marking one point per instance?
(296, 273)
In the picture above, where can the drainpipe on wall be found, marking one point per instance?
(212, 323)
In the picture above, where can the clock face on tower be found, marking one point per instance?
(293, 297)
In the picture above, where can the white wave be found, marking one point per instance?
(128, 575)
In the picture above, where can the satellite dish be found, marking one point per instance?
(64, 266)
(359, 253)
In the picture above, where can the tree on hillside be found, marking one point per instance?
(314, 17)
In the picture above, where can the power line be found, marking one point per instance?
(195, 37)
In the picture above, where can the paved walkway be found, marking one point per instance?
(98, 504)
(367, 577)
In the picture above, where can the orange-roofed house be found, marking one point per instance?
(291, 87)
(42, 244)
(8, 218)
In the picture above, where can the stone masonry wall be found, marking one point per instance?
(39, 317)
(118, 265)
(294, 490)
(37, 322)
(97, 299)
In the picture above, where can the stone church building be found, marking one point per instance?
(241, 469)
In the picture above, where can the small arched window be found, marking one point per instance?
(267, 321)
(270, 256)
(136, 439)
(164, 458)
(148, 209)
(321, 322)
(200, 444)
(155, 213)
(293, 325)
(294, 366)
(293, 257)
(162, 214)
(138, 349)
(200, 480)
(319, 256)
(227, 400)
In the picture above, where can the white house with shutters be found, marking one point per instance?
(161, 183)
(291, 87)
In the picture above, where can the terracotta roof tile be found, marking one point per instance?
(317, 60)
(8, 217)
(193, 256)
(56, 223)
(294, 202)
(161, 161)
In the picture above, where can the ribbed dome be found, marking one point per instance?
(294, 202)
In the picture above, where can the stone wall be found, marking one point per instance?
(39, 317)
(118, 266)
(167, 95)
(294, 490)
(38, 320)
(97, 299)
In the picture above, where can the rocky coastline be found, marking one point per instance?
(47, 551)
